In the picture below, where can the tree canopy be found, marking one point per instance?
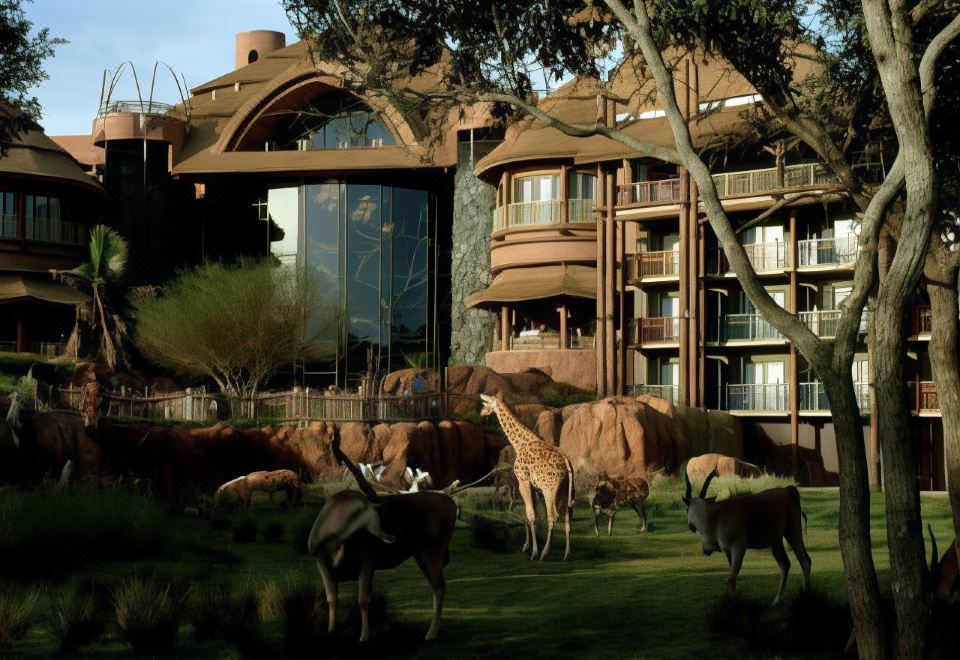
(21, 67)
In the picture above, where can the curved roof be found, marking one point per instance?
(224, 108)
(36, 155)
(635, 92)
(536, 283)
(14, 288)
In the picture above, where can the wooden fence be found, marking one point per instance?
(291, 406)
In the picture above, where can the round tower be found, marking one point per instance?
(255, 44)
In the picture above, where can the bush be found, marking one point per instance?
(303, 617)
(273, 532)
(48, 534)
(807, 622)
(245, 530)
(496, 535)
(233, 616)
(148, 615)
(16, 615)
(78, 620)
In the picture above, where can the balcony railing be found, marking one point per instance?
(765, 257)
(741, 327)
(824, 322)
(8, 226)
(56, 231)
(761, 397)
(813, 397)
(544, 341)
(670, 393)
(921, 320)
(666, 191)
(923, 396)
(582, 341)
(49, 349)
(827, 251)
(141, 107)
(580, 210)
(499, 218)
(757, 181)
(658, 330)
(665, 263)
(527, 214)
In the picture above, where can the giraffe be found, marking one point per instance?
(538, 465)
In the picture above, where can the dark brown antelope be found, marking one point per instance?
(759, 520)
(358, 532)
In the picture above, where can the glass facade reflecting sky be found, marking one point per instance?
(368, 247)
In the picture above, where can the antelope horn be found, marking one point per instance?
(706, 484)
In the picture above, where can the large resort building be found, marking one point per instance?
(439, 237)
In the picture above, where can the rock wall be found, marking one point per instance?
(471, 333)
(577, 367)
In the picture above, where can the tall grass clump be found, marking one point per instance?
(49, 534)
(78, 620)
(17, 610)
(148, 614)
(232, 615)
(303, 617)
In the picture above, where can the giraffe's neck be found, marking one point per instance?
(517, 434)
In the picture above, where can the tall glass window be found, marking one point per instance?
(8, 215)
(582, 185)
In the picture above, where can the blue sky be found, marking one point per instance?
(195, 37)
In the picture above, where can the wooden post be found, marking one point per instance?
(564, 341)
(794, 363)
(564, 195)
(682, 282)
(21, 334)
(505, 328)
(598, 340)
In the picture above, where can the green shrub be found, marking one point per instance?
(273, 532)
(231, 615)
(148, 614)
(16, 614)
(78, 620)
(49, 534)
(245, 530)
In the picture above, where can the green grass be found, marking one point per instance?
(8, 383)
(630, 595)
(19, 363)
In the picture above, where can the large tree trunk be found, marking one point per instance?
(859, 572)
(904, 527)
(943, 349)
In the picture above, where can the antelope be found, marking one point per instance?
(358, 532)
(759, 520)
(613, 494)
(241, 489)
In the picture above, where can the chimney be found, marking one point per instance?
(256, 44)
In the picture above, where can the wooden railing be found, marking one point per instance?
(544, 341)
(923, 396)
(48, 349)
(750, 182)
(921, 320)
(827, 251)
(658, 330)
(664, 263)
(666, 191)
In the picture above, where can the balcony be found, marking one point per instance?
(657, 330)
(48, 349)
(820, 252)
(649, 265)
(741, 328)
(55, 231)
(921, 320)
(824, 323)
(669, 393)
(8, 226)
(761, 397)
(922, 395)
(649, 193)
(499, 218)
(547, 341)
(765, 257)
(581, 211)
(730, 184)
(813, 397)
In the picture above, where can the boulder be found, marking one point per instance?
(699, 467)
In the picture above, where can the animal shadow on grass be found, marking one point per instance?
(805, 622)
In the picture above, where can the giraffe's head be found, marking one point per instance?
(490, 403)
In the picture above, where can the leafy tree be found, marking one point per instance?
(876, 69)
(235, 324)
(21, 67)
(98, 276)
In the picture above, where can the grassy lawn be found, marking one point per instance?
(633, 595)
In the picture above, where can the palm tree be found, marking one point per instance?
(108, 259)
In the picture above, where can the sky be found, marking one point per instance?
(195, 37)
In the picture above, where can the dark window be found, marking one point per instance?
(252, 57)
(333, 121)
